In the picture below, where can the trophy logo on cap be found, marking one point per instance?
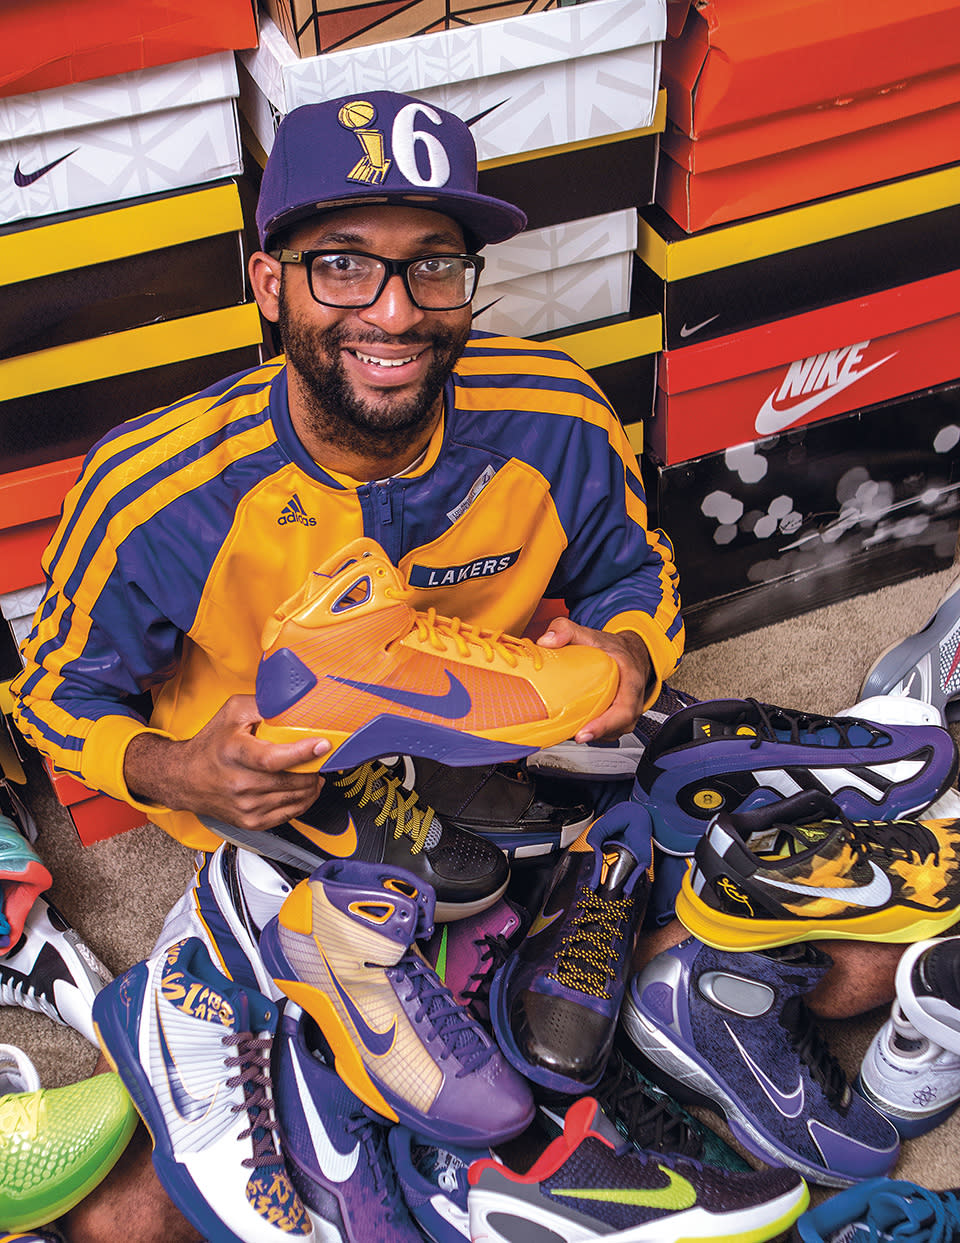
(359, 115)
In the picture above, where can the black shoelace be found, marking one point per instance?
(812, 1049)
(494, 951)
(651, 1121)
(768, 720)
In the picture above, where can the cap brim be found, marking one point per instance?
(487, 219)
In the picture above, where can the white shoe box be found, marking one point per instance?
(120, 137)
(557, 277)
(523, 83)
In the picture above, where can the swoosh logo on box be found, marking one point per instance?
(27, 179)
(677, 1195)
(790, 1104)
(377, 1043)
(772, 418)
(688, 332)
(453, 704)
(874, 894)
(335, 1165)
(341, 845)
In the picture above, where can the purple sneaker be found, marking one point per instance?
(554, 1002)
(434, 1182)
(715, 755)
(466, 954)
(730, 1031)
(341, 948)
(336, 1149)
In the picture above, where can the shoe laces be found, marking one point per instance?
(646, 1118)
(20, 1115)
(437, 630)
(813, 1051)
(586, 959)
(893, 839)
(770, 722)
(253, 1058)
(494, 949)
(461, 1036)
(922, 1216)
(372, 1136)
(19, 992)
(372, 783)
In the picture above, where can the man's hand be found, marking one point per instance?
(633, 661)
(225, 771)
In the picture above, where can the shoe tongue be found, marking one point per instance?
(616, 867)
(707, 729)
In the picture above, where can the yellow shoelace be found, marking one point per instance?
(371, 783)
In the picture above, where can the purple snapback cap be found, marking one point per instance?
(378, 147)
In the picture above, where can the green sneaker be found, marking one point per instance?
(57, 1144)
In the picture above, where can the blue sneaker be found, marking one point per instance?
(554, 1002)
(715, 755)
(730, 1031)
(193, 1051)
(434, 1181)
(884, 1208)
(22, 878)
(336, 1149)
(590, 1183)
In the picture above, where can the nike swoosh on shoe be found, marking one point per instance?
(453, 704)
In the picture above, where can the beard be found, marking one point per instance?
(384, 425)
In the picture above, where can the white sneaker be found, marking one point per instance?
(908, 1078)
(52, 970)
(17, 1072)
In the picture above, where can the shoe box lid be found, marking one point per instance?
(529, 83)
(120, 137)
(51, 43)
(81, 274)
(775, 527)
(765, 101)
(734, 276)
(806, 367)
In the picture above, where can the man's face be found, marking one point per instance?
(375, 371)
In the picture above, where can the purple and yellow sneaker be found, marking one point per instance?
(341, 948)
(554, 1002)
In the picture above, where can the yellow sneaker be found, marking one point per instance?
(349, 659)
(57, 1144)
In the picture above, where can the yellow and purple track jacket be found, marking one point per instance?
(189, 525)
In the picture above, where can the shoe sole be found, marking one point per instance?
(909, 1125)
(897, 926)
(694, 1084)
(269, 846)
(518, 845)
(896, 661)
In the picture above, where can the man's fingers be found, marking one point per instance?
(279, 757)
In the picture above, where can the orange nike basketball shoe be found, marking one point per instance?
(349, 659)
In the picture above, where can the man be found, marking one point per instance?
(388, 417)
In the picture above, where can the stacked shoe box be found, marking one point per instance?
(803, 257)
(567, 113)
(122, 276)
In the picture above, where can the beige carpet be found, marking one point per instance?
(117, 892)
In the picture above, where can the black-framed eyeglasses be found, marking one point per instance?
(354, 279)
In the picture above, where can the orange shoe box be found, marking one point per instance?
(50, 43)
(805, 368)
(770, 106)
(30, 502)
(95, 816)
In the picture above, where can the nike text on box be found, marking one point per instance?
(119, 137)
(516, 80)
(761, 122)
(738, 275)
(799, 519)
(807, 367)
